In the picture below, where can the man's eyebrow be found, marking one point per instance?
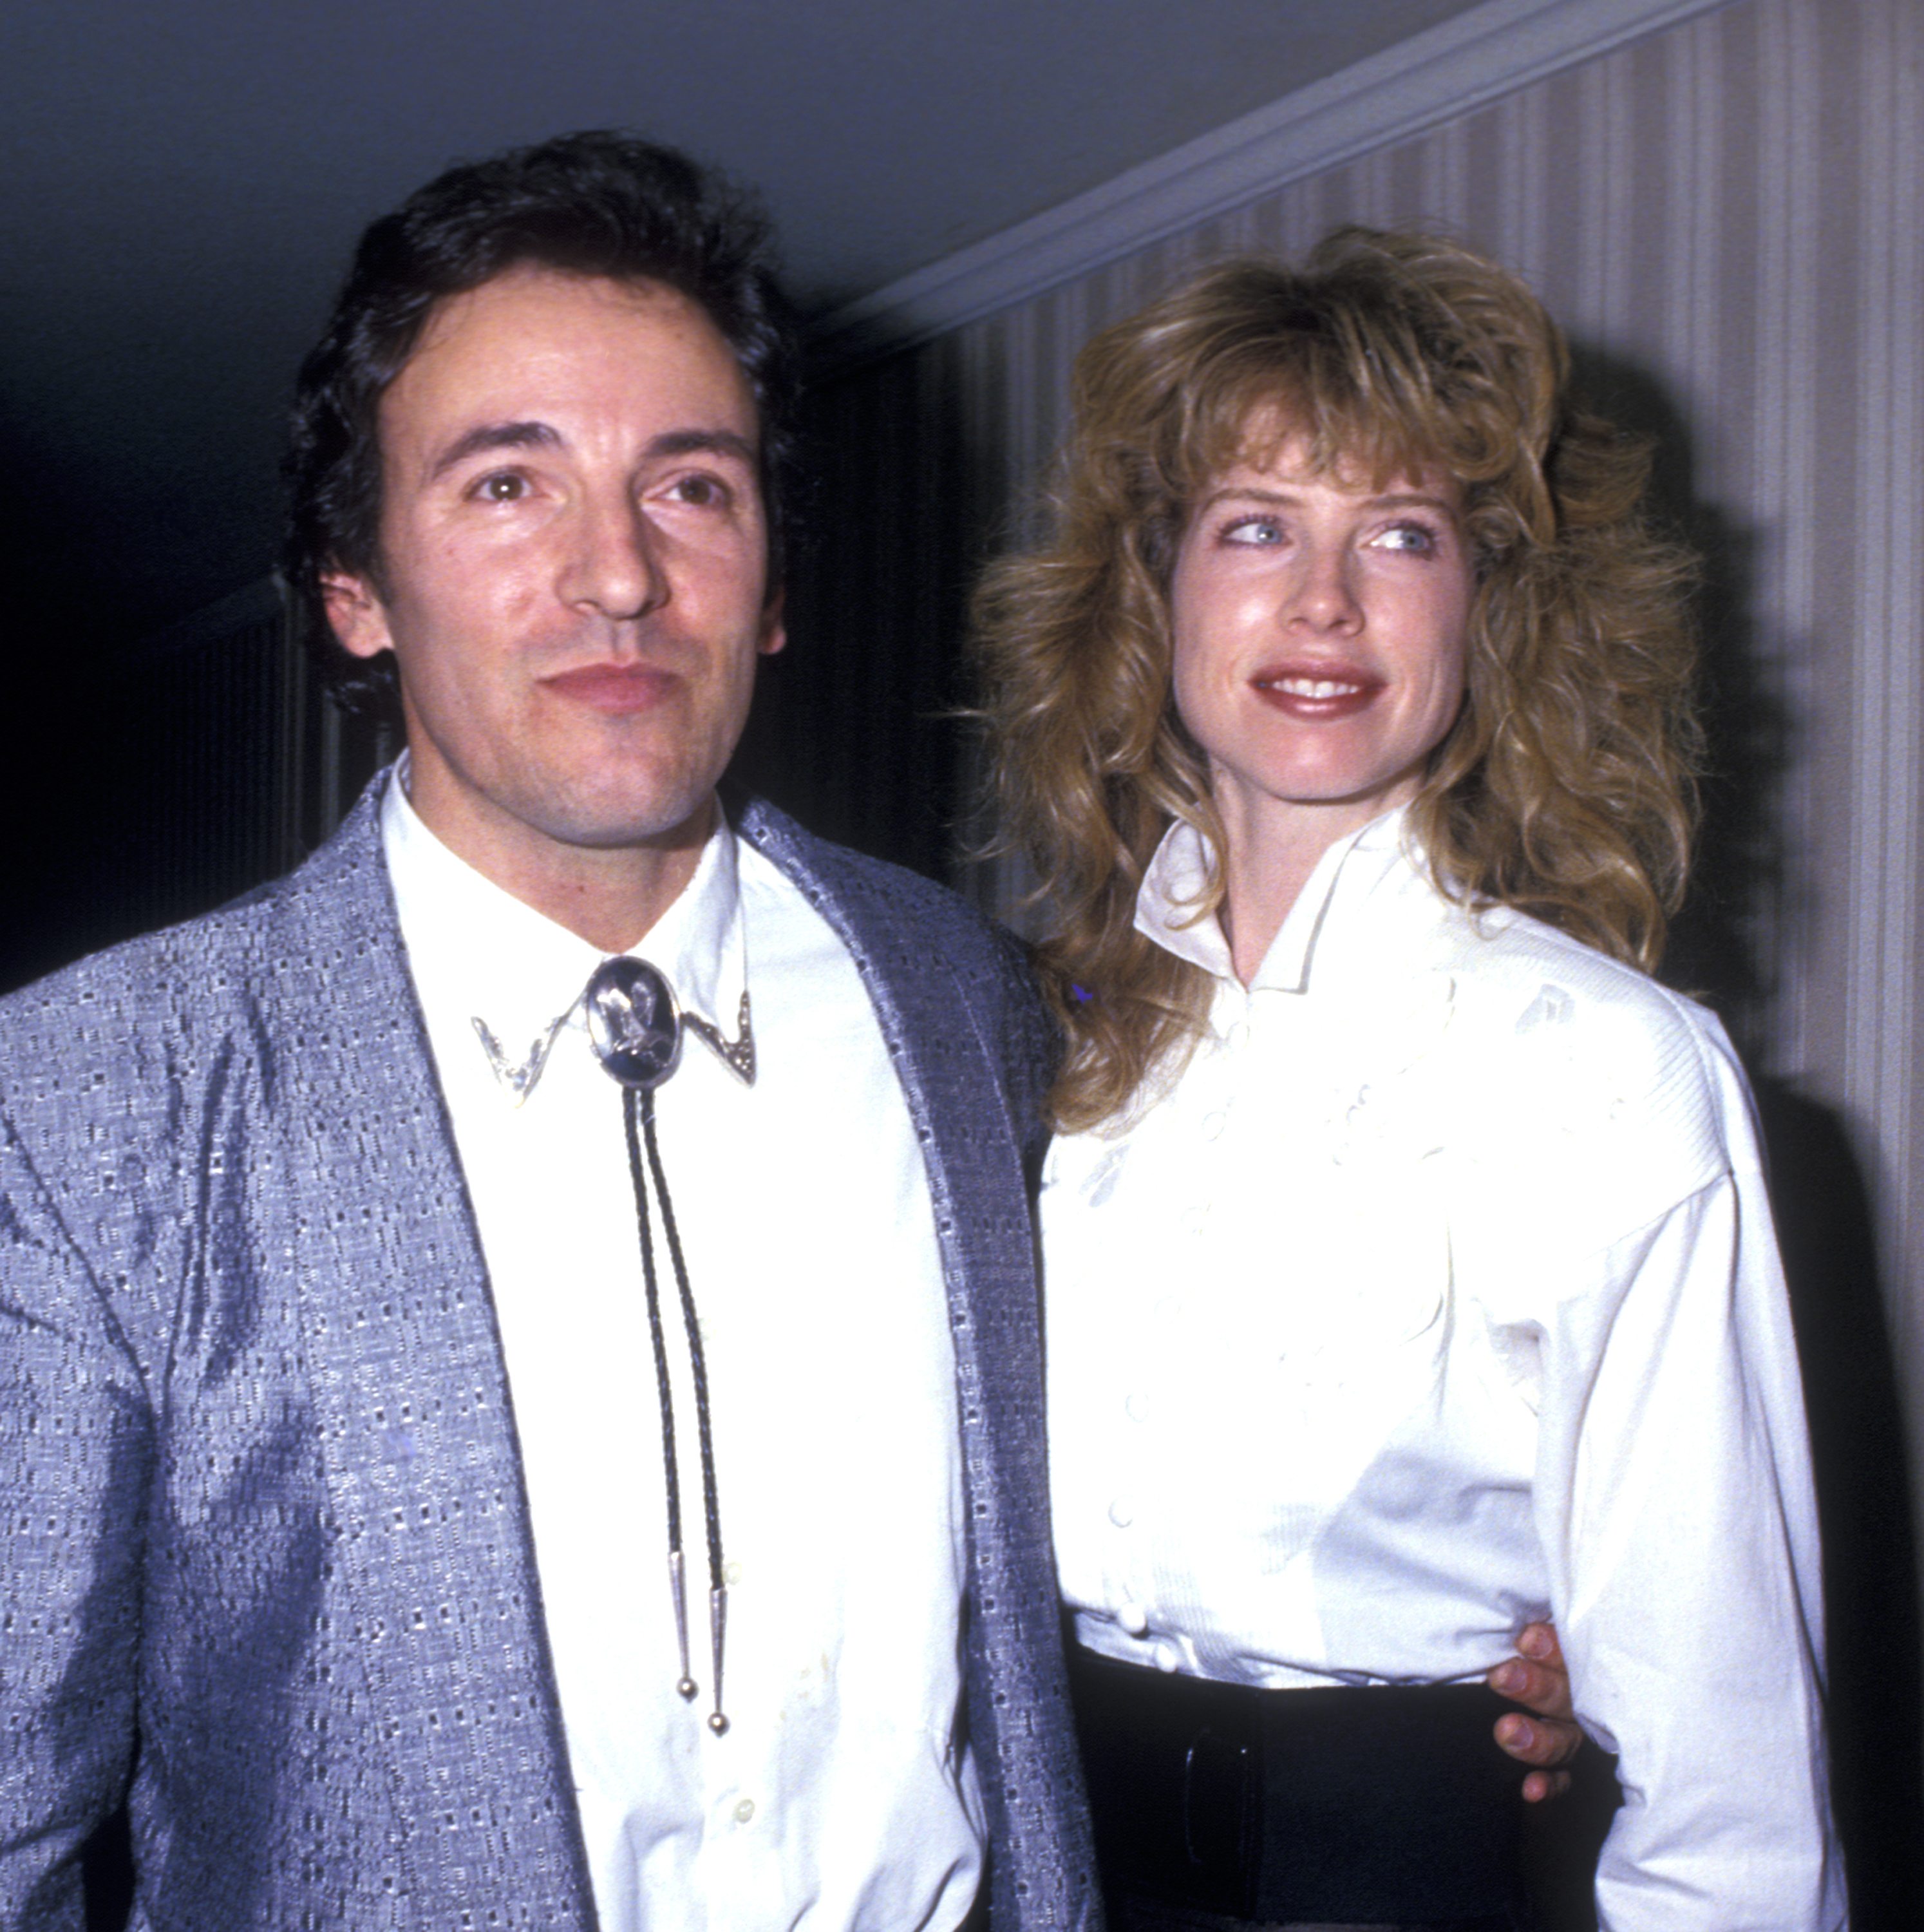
(484, 437)
(704, 442)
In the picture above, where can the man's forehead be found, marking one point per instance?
(645, 292)
(533, 333)
(512, 316)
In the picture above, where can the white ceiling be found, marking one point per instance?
(184, 179)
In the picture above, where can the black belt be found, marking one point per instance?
(1383, 1805)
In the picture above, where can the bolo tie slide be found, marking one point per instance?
(636, 1030)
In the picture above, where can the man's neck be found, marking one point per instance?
(610, 898)
(611, 895)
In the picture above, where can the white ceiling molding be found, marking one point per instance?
(1450, 69)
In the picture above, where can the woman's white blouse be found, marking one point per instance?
(1437, 1292)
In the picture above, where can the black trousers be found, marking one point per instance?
(1133, 1914)
(1220, 1807)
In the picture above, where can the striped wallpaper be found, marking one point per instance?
(1726, 216)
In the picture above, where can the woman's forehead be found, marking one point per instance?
(1275, 433)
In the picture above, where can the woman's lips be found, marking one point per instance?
(1318, 694)
(616, 689)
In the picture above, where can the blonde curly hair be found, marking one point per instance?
(1565, 787)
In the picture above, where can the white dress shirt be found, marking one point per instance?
(840, 1797)
(1435, 1293)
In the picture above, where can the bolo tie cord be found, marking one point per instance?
(638, 1118)
(636, 1029)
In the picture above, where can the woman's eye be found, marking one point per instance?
(1254, 530)
(1418, 538)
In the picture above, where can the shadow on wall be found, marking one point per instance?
(853, 728)
(1744, 885)
(1870, 1569)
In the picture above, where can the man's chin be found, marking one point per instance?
(680, 823)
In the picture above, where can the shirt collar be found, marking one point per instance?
(478, 950)
(1178, 876)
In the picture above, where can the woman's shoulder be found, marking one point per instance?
(1579, 1053)
(1504, 954)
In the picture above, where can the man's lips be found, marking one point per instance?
(616, 689)
(1316, 694)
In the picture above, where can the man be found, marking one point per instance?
(447, 1485)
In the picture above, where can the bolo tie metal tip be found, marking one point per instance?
(717, 1616)
(685, 1683)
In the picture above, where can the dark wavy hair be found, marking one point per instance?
(595, 204)
(1564, 788)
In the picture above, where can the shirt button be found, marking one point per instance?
(1237, 1037)
(1134, 1618)
(745, 1811)
(1122, 1513)
(1166, 1657)
(1138, 1406)
(731, 1573)
(1213, 1125)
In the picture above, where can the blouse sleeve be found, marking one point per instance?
(1674, 1502)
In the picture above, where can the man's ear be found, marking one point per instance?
(774, 634)
(354, 609)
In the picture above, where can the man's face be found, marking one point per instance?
(575, 569)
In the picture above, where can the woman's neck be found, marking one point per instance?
(1270, 857)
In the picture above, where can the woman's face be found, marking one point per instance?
(1319, 635)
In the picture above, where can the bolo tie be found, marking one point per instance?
(636, 1029)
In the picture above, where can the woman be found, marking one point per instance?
(1408, 1267)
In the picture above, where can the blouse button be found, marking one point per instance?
(1134, 1618)
(1137, 1406)
(745, 1811)
(1122, 1513)
(1213, 1125)
(1166, 1657)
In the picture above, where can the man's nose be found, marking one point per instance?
(613, 565)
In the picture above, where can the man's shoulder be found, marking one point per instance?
(878, 898)
(927, 955)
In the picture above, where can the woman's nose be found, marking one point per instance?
(1322, 593)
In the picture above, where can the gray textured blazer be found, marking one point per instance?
(266, 1566)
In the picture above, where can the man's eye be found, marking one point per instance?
(703, 491)
(503, 486)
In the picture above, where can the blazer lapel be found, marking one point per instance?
(435, 1554)
(935, 1024)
